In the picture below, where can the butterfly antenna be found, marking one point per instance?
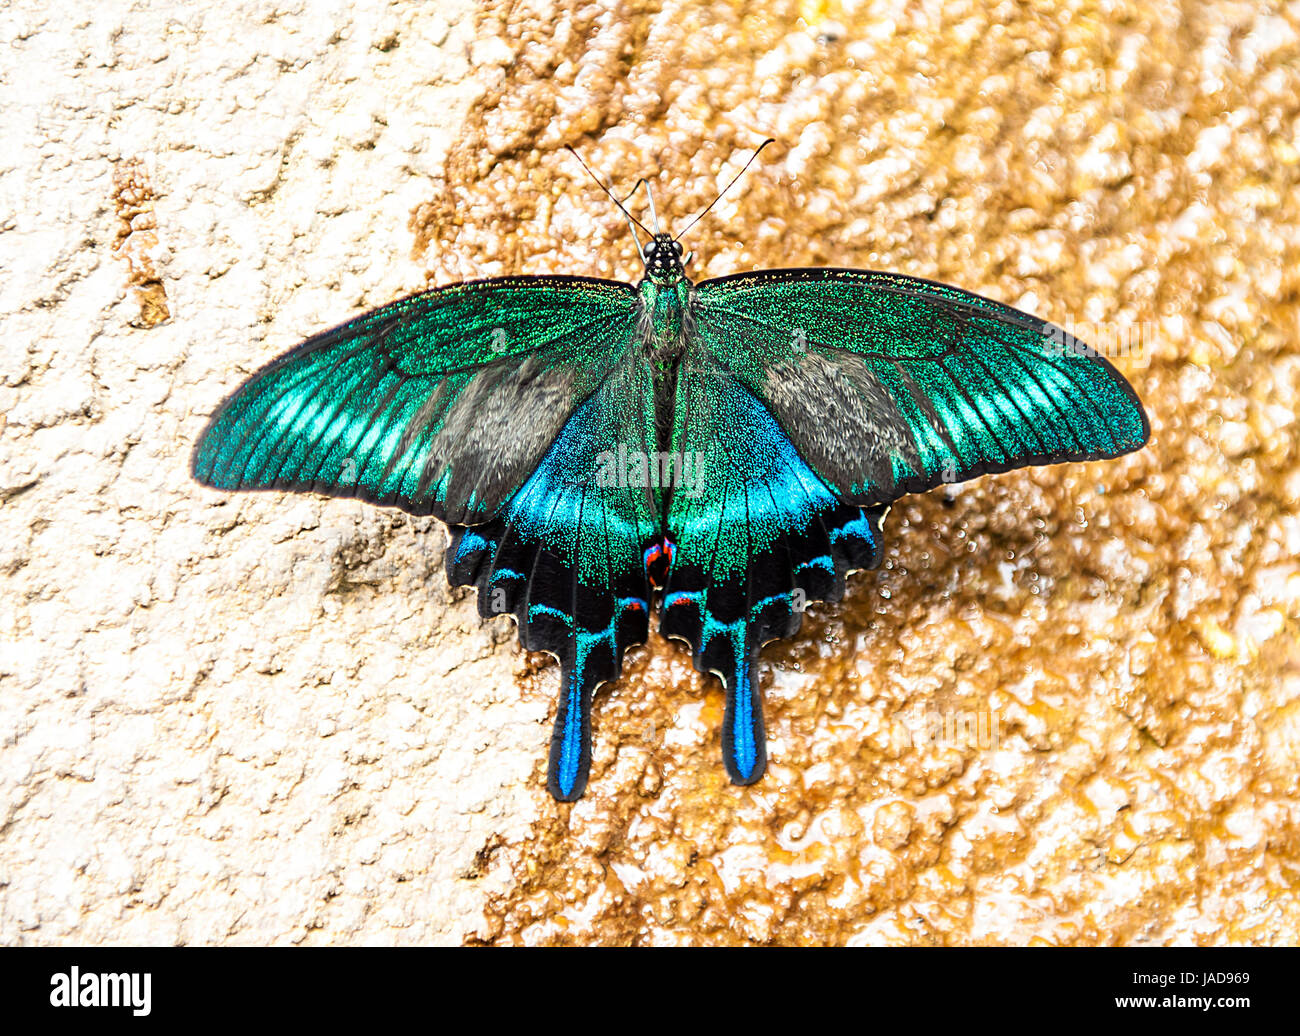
(630, 218)
(635, 187)
(654, 216)
(769, 140)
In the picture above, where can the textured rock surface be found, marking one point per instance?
(1128, 628)
(265, 718)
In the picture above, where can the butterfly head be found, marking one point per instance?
(663, 260)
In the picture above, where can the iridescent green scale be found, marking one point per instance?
(723, 452)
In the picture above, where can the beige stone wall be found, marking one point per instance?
(253, 719)
(266, 719)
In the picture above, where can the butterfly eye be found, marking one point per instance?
(677, 247)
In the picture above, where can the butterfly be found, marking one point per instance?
(721, 453)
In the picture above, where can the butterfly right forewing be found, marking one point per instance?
(890, 385)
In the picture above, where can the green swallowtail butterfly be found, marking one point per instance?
(719, 452)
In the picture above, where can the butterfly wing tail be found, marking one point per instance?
(715, 621)
(744, 737)
(570, 759)
(589, 635)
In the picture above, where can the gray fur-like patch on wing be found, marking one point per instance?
(842, 420)
(495, 433)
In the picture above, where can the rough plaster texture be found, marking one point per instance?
(224, 719)
(264, 718)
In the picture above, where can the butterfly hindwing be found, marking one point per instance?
(567, 557)
(442, 403)
(757, 534)
(890, 385)
(817, 397)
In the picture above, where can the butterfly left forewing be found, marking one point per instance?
(442, 403)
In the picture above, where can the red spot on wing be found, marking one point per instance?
(658, 560)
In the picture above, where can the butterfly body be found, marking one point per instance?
(723, 453)
(666, 325)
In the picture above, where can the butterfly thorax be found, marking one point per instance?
(667, 300)
(665, 321)
(665, 324)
